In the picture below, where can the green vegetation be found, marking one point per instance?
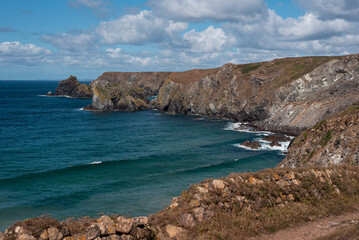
(246, 68)
(311, 154)
(326, 138)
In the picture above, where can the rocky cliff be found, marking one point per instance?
(287, 95)
(73, 88)
(332, 141)
(124, 91)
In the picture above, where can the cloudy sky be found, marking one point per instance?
(51, 39)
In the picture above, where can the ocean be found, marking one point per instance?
(59, 160)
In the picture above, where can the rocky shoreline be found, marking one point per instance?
(314, 98)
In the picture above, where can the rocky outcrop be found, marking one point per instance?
(332, 141)
(287, 95)
(71, 87)
(116, 96)
(235, 207)
(150, 82)
(124, 91)
(252, 145)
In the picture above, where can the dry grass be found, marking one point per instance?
(347, 233)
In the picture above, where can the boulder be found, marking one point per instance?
(92, 232)
(123, 225)
(173, 231)
(218, 184)
(186, 220)
(107, 225)
(25, 237)
(54, 234)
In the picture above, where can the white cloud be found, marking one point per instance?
(218, 10)
(133, 29)
(210, 40)
(332, 9)
(23, 54)
(79, 41)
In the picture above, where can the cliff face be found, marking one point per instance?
(288, 95)
(125, 91)
(149, 81)
(73, 88)
(331, 141)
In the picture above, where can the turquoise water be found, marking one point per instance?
(59, 160)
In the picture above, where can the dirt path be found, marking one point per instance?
(313, 230)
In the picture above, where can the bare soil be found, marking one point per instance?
(314, 230)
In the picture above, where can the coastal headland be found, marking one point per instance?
(313, 98)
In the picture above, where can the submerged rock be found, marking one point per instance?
(252, 145)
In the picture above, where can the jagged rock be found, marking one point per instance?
(327, 143)
(73, 88)
(218, 184)
(173, 231)
(127, 237)
(25, 237)
(92, 232)
(106, 225)
(54, 234)
(186, 220)
(276, 95)
(252, 145)
(20, 230)
(123, 225)
(198, 214)
(111, 237)
(140, 221)
(44, 235)
(2, 236)
(65, 231)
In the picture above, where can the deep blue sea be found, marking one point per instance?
(57, 159)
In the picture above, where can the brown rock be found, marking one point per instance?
(92, 232)
(198, 214)
(54, 234)
(252, 145)
(25, 237)
(173, 231)
(218, 184)
(44, 235)
(106, 225)
(123, 225)
(186, 220)
(2, 236)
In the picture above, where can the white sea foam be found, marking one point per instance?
(265, 146)
(80, 109)
(96, 162)
(241, 127)
(43, 96)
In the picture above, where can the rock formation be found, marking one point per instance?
(124, 91)
(71, 87)
(331, 141)
(287, 95)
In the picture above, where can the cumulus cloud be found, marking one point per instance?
(138, 29)
(210, 40)
(72, 41)
(23, 54)
(331, 9)
(218, 10)
(98, 7)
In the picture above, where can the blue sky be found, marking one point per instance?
(52, 39)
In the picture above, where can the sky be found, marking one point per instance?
(53, 39)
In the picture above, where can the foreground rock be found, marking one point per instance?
(287, 95)
(71, 87)
(330, 142)
(236, 207)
